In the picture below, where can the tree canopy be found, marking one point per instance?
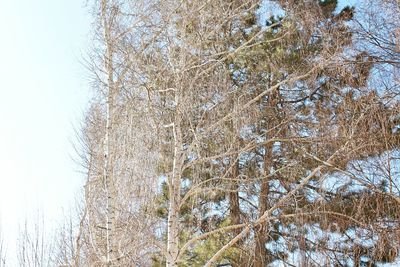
(241, 133)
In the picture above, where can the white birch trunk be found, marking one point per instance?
(174, 198)
(174, 185)
(107, 168)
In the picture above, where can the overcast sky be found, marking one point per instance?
(43, 93)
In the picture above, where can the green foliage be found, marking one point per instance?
(316, 109)
(202, 251)
(328, 6)
(162, 202)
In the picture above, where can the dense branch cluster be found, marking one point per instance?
(240, 133)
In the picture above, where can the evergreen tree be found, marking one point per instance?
(259, 124)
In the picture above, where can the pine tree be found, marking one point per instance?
(259, 124)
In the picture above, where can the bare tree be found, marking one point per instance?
(115, 148)
(34, 247)
(3, 251)
(260, 139)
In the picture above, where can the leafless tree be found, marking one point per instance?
(34, 247)
(115, 148)
(276, 124)
(3, 251)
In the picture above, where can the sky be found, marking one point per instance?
(43, 95)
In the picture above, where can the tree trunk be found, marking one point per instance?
(173, 232)
(107, 167)
(234, 208)
(261, 238)
(174, 185)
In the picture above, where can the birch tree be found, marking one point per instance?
(113, 225)
(259, 126)
(308, 145)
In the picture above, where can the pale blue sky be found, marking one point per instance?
(43, 93)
